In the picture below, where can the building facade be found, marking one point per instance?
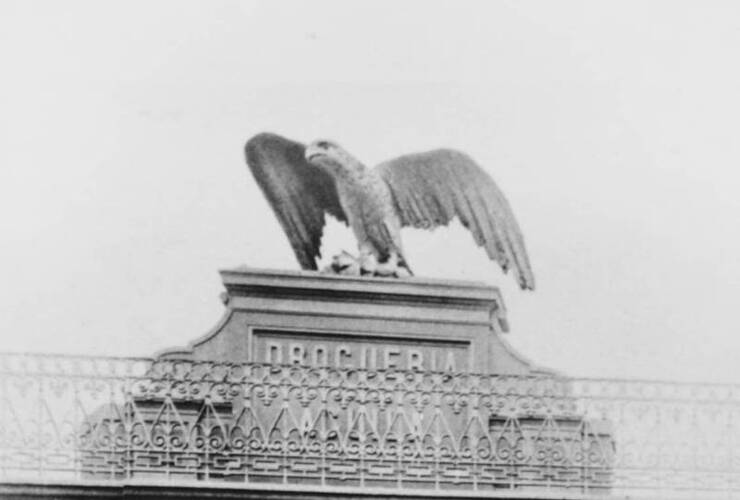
(316, 385)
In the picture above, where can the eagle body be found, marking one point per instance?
(425, 190)
(368, 204)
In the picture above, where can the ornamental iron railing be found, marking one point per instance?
(116, 419)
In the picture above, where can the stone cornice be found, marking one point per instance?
(315, 285)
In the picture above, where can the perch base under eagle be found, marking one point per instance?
(366, 264)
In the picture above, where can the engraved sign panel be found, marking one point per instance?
(369, 352)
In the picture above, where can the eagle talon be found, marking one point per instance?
(368, 264)
(387, 270)
(345, 264)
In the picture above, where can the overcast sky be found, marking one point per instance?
(611, 127)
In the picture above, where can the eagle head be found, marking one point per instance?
(332, 158)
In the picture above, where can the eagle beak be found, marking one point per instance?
(314, 151)
(310, 155)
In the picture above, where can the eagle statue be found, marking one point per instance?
(424, 190)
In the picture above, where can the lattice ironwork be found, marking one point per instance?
(79, 418)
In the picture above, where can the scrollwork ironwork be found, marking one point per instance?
(115, 418)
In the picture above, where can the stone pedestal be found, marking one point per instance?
(314, 319)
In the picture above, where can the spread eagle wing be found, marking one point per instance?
(300, 193)
(430, 189)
